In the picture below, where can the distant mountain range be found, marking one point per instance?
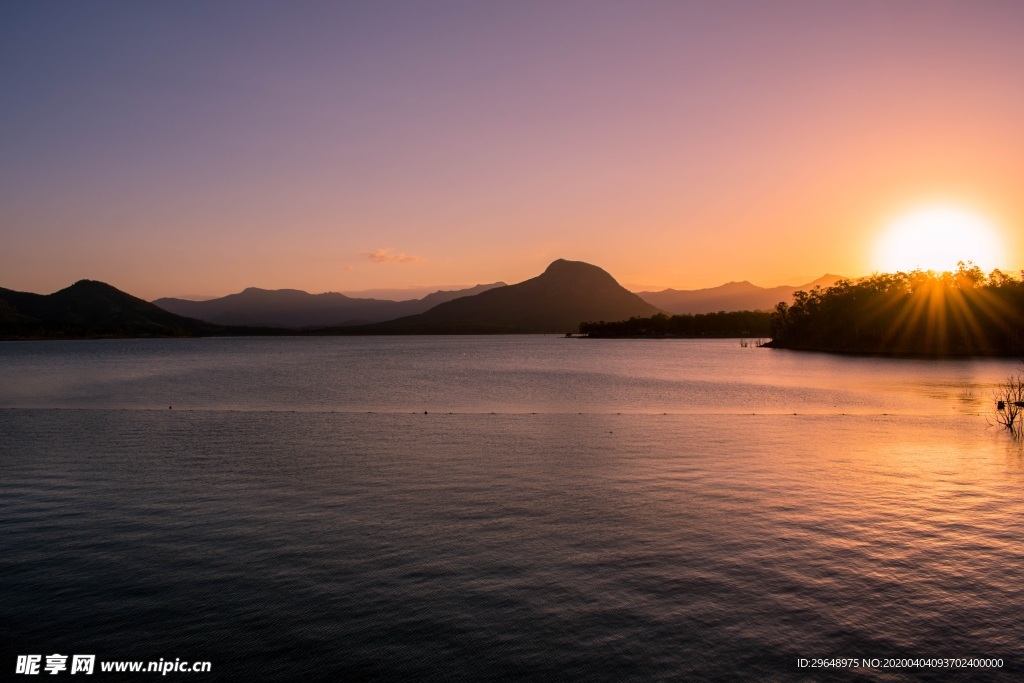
(89, 309)
(733, 296)
(566, 294)
(558, 300)
(387, 293)
(298, 309)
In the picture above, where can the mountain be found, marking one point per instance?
(557, 301)
(89, 309)
(440, 297)
(391, 293)
(295, 308)
(733, 296)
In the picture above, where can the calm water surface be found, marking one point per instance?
(492, 508)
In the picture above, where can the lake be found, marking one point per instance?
(507, 507)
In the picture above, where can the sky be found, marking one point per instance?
(197, 148)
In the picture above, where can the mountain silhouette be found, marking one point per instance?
(566, 294)
(732, 296)
(556, 301)
(295, 308)
(90, 309)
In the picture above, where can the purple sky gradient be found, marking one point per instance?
(196, 147)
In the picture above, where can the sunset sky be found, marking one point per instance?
(197, 148)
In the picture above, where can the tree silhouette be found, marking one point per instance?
(952, 313)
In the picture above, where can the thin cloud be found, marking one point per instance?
(386, 255)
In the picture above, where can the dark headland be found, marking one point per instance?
(921, 314)
(949, 314)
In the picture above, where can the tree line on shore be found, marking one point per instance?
(953, 313)
(709, 325)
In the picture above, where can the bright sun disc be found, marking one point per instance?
(936, 239)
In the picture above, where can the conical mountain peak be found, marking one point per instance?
(566, 294)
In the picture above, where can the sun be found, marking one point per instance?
(937, 238)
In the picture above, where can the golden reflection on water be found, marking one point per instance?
(684, 539)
